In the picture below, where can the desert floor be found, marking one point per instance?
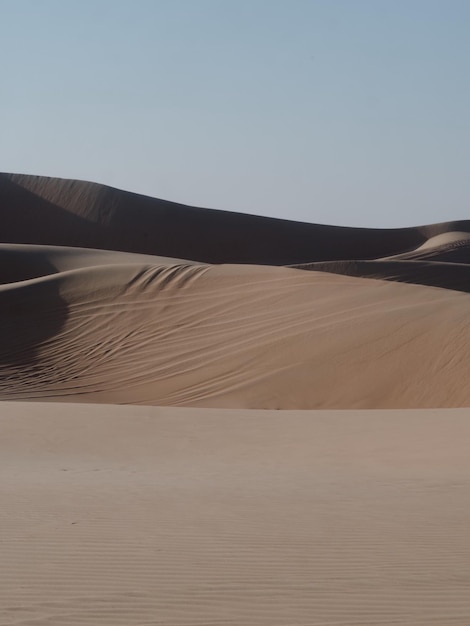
(214, 419)
(143, 515)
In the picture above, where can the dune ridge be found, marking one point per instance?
(211, 318)
(53, 211)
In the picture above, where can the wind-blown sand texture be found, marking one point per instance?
(223, 514)
(142, 515)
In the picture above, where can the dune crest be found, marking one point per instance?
(62, 212)
(167, 304)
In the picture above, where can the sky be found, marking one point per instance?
(349, 112)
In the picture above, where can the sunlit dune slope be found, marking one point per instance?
(228, 336)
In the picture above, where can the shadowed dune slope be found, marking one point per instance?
(454, 276)
(228, 336)
(443, 261)
(61, 212)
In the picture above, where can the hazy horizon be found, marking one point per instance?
(348, 113)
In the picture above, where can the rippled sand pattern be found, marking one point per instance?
(127, 515)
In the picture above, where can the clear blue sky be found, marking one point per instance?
(352, 112)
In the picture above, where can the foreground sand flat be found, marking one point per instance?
(143, 515)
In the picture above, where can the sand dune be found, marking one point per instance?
(20, 262)
(110, 328)
(103, 325)
(222, 515)
(52, 211)
(442, 261)
(454, 276)
(446, 246)
(140, 515)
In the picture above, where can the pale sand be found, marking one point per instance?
(142, 515)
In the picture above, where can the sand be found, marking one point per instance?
(54, 211)
(300, 455)
(143, 515)
(228, 336)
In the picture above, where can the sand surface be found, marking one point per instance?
(207, 505)
(142, 515)
(123, 328)
(54, 211)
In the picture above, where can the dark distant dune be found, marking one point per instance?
(52, 211)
